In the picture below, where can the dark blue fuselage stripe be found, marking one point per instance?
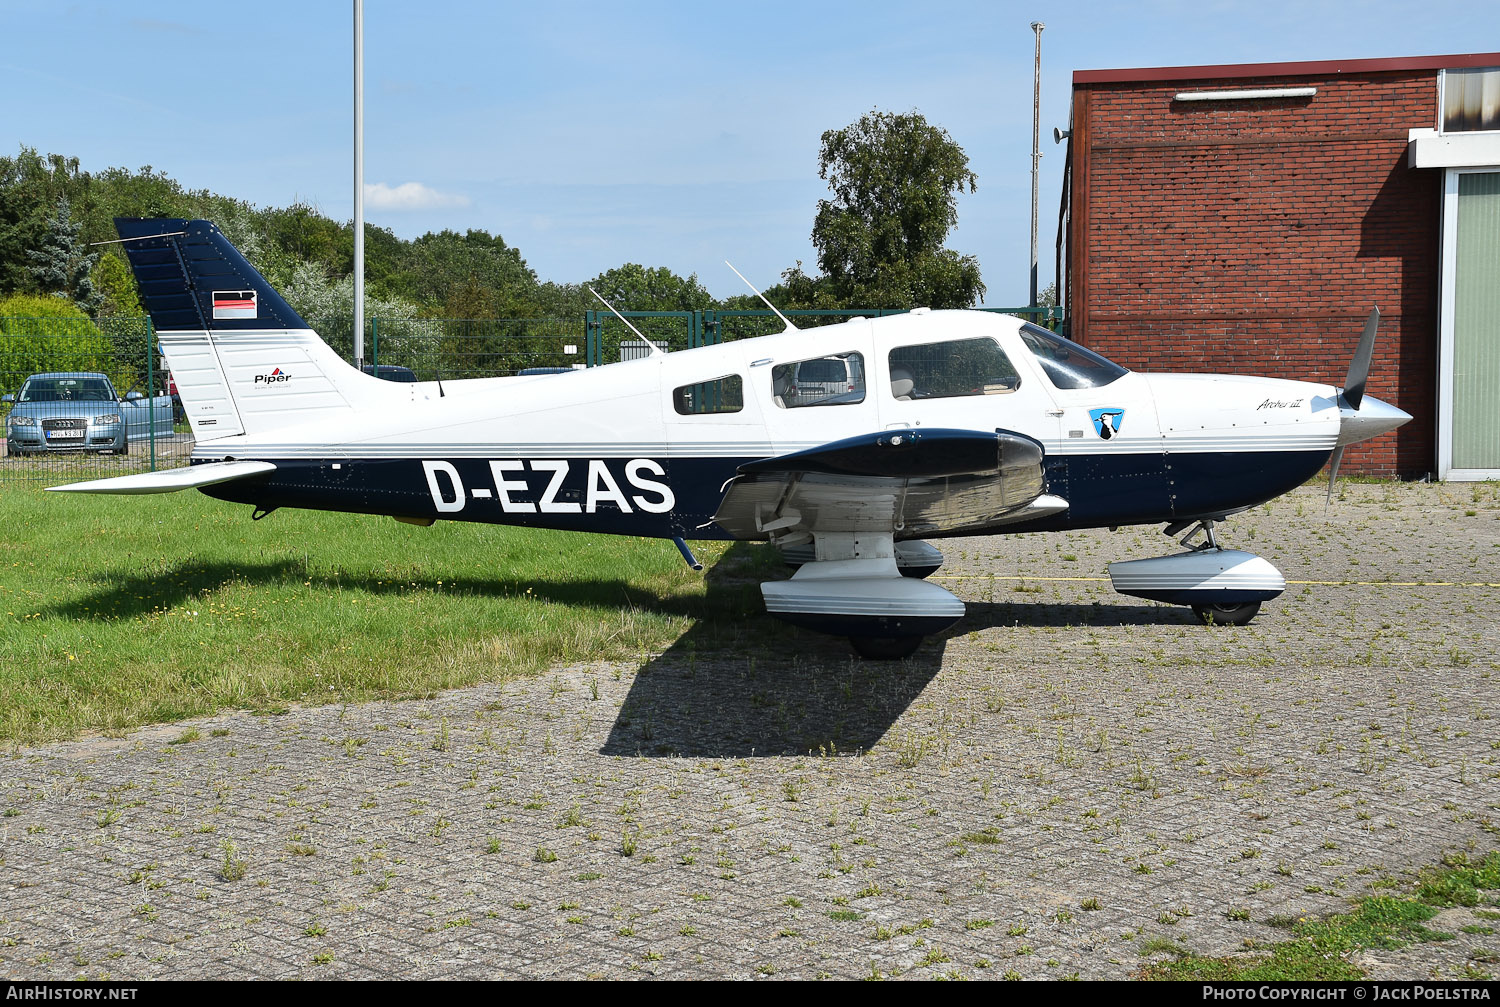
(1101, 489)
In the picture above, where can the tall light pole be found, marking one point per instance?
(359, 188)
(1036, 144)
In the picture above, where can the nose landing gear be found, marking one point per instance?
(1224, 587)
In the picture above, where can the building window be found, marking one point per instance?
(836, 380)
(1471, 100)
(721, 395)
(950, 369)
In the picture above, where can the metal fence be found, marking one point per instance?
(81, 398)
(453, 348)
(84, 398)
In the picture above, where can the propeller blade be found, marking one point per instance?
(1359, 367)
(1333, 472)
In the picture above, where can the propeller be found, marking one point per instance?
(1354, 388)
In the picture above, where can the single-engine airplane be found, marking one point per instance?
(846, 446)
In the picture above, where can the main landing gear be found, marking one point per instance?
(866, 587)
(1224, 587)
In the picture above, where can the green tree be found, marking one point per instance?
(116, 286)
(305, 234)
(470, 299)
(562, 300)
(895, 180)
(439, 267)
(30, 185)
(633, 287)
(45, 333)
(61, 263)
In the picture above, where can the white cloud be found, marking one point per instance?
(410, 196)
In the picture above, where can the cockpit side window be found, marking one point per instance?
(705, 398)
(1066, 364)
(951, 369)
(835, 380)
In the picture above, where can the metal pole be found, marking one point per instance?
(359, 184)
(1036, 144)
(150, 394)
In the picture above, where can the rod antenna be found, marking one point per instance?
(784, 320)
(651, 348)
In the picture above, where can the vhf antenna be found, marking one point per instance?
(651, 348)
(785, 321)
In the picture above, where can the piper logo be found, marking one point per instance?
(274, 377)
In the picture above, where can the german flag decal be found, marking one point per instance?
(234, 304)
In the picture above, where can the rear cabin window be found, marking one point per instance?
(721, 395)
(951, 369)
(837, 380)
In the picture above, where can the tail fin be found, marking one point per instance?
(243, 361)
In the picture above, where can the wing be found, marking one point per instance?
(171, 480)
(905, 483)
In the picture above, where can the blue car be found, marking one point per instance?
(80, 411)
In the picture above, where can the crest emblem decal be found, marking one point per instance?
(1107, 422)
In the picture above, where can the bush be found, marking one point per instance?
(50, 334)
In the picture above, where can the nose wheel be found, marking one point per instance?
(1227, 615)
(1223, 587)
(885, 648)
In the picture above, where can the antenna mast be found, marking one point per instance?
(651, 347)
(784, 320)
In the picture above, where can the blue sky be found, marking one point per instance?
(592, 134)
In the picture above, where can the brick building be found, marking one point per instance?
(1245, 218)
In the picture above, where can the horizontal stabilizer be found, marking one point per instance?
(172, 480)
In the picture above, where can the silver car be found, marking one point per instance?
(80, 411)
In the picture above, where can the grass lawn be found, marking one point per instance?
(1319, 950)
(119, 611)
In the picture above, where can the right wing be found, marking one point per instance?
(906, 483)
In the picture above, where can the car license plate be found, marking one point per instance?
(59, 435)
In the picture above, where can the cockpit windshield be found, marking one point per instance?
(1066, 364)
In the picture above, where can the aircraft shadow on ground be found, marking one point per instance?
(757, 687)
(126, 595)
(737, 684)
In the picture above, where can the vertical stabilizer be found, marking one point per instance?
(241, 357)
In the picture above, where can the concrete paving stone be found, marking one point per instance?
(1063, 747)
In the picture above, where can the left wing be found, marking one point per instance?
(905, 483)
